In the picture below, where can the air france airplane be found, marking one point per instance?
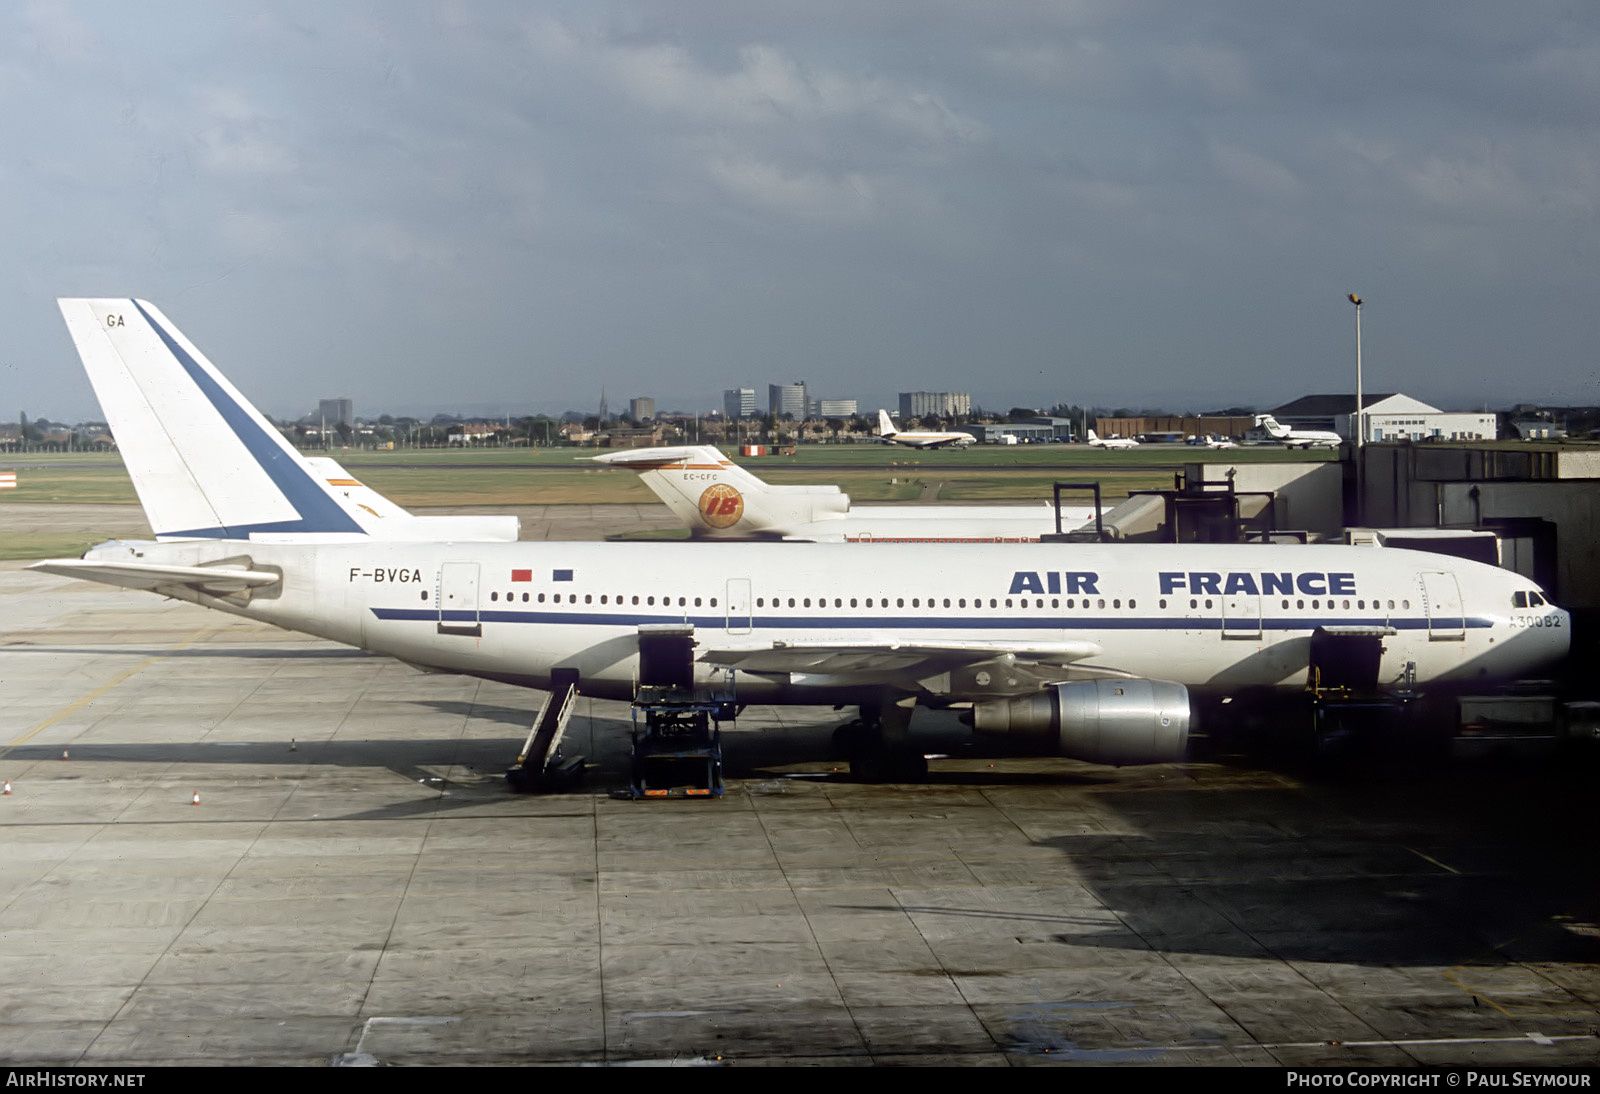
(717, 499)
(919, 438)
(1086, 650)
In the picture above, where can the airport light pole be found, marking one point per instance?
(1361, 418)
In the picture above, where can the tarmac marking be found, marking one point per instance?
(103, 688)
(1436, 862)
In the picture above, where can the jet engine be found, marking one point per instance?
(1115, 722)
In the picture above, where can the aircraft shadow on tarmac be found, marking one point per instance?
(1468, 872)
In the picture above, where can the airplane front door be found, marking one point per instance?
(1241, 617)
(1442, 596)
(458, 599)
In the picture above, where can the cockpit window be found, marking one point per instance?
(1528, 599)
(1519, 599)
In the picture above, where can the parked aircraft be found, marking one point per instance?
(1215, 441)
(919, 439)
(717, 499)
(1299, 438)
(1087, 650)
(1114, 442)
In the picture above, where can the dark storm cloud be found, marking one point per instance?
(482, 205)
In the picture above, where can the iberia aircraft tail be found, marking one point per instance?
(205, 463)
(717, 498)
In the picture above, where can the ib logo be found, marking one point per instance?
(721, 506)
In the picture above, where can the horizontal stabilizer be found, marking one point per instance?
(217, 580)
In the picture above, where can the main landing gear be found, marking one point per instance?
(876, 744)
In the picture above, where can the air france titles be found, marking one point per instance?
(1260, 583)
(1200, 582)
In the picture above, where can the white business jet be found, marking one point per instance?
(919, 439)
(1086, 650)
(715, 498)
(1299, 438)
(1114, 442)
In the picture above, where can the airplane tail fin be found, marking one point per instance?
(715, 497)
(205, 463)
(885, 425)
(1273, 427)
(1092, 438)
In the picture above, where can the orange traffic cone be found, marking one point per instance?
(196, 800)
(7, 790)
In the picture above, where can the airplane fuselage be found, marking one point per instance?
(1211, 618)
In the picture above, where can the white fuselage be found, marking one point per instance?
(1218, 618)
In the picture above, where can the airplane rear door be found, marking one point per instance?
(738, 619)
(1442, 596)
(458, 599)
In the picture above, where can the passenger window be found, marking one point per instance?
(962, 602)
(806, 602)
(947, 601)
(696, 601)
(588, 598)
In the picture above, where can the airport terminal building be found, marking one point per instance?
(1391, 417)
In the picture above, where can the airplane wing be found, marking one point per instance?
(889, 656)
(216, 580)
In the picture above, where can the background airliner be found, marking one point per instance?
(1114, 442)
(715, 498)
(919, 439)
(1299, 438)
(1086, 650)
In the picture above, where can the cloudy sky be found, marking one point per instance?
(495, 207)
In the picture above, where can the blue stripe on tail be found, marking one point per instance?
(318, 511)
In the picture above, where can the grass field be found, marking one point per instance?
(419, 478)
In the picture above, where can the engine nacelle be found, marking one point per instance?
(1117, 722)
